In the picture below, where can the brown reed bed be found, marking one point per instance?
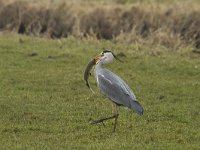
(170, 26)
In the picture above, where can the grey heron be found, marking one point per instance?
(112, 86)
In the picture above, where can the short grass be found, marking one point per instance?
(44, 103)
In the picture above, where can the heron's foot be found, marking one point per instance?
(97, 121)
(102, 120)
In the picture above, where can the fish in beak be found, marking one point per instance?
(87, 73)
(90, 65)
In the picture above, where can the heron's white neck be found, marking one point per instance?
(99, 65)
(97, 69)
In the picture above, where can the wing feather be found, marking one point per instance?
(118, 91)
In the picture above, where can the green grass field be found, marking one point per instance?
(44, 103)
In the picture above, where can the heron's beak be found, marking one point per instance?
(98, 57)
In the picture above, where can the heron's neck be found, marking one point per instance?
(97, 69)
(98, 66)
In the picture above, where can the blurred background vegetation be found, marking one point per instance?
(166, 23)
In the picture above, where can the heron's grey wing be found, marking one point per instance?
(118, 91)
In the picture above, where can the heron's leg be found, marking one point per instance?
(102, 120)
(115, 113)
(114, 116)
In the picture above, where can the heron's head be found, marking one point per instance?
(105, 57)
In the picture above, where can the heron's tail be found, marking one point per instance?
(137, 107)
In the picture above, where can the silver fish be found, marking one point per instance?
(87, 73)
